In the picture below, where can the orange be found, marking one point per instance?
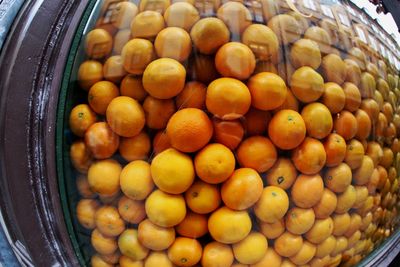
(209, 34)
(267, 85)
(363, 124)
(103, 244)
(136, 181)
(132, 86)
(326, 247)
(299, 221)
(132, 211)
(156, 259)
(257, 152)
(372, 108)
(89, 73)
(353, 96)
(228, 133)
(381, 125)
(181, 14)
(202, 198)
(333, 69)
(189, 129)
(387, 158)
(164, 78)
(335, 148)
(305, 52)
(214, 163)
(104, 168)
(85, 212)
(228, 98)
(353, 239)
(160, 142)
(361, 193)
(147, 25)
(101, 94)
(286, 28)
(193, 95)
(98, 43)
(304, 184)
(282, 174)
(108, 221)
(251, 249)
(334, 97)
(326, 206)
(81, 156)
(355, 224)
(216, 254)
(354, 154)
(256, 121)
(353, 72)
(319, 262)
(235, 60)
(242, 189)
(125, 116)
(113, 69)
(291, 102)
(164, 209)
(158, 112)
(124, 13)
(272, 230)
(338, 178)
(83, 187)
(390, 132)
(185, 251)
(159, 6)
(120, 39)
(305, 254)
(387, 109)
(173, 42)
(155, 237)
(81, 118)
(288, 244)
(202, 68)
(229, 226)
(110, 200)
(367, 85)
(345, 124)
(287, 129)
(320, 231)
(270, 259)
(318, 120)
(307, 84)
(288, 263)
(309, 157)
(272, 205)
(194, 225)
(319, 35)
(136, 147)
(97, 261)
(101, 140)
(130, 246)
(235, 15)
(362, 174)
(374, 150)
(262, 41)
(341, 223)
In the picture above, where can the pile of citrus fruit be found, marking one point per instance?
(208, 139)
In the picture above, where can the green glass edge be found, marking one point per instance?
(60, 120)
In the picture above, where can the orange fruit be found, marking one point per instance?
(367, 85)
(372, 108)
(89, 73)
(334, 97)
(345, 124)
(235, 15)
(202, 68)
(262, 41)
(341, 223)
(290, 102)
(256, 121)
(318, 120)
(353, 72)
(305, 52)
(101, 140)
(288, 244)
(101, 94)
(104, 168)
(193, 95)
(158, 112)
(83, 187)
(272, 230)
(202, 197)
(309, 157)
(287, 129)
(181, 14)
(132, 211)
(320, 36)
(164, 78)
(286, 28)
(282, 174)
(147, 24)
(362, 174)
(361, 193)
(125, 116)
(159, 6)
(299, 221)
(307, 84)
(120, 39)
(363, 124)
(338, 178)
(208, 34)
(136, 147)
(267, 85)
(326, 206)
(81, 118)
(354, 154)
(113, 69)
(272, 205)
(229, 226)
(326, 247)
(242, 189)
(98, 43)
(85, 212)
(228, 98)
(173, 42)
(214, 163)
(164, 209)
(251, 249)
(97, 261)
(81, 156)
(228, 133)
(216, 254)
(136, 54)
(333, 69)
(353, 96)
(185, 251)
(160, 142)
(374, 150)
(355, 224)
(103, 244)
(270, 259)
(257, 152)
(132, 86)
(189, 129)
(387, 158)
(135, 180)
(130, 246)
(305, 254)
(288, 263)
(194, 225)
(302, 186)
(155, 237)
(108, 221)
(335, 148)
(124, 14)
(320, 231)
(156, 259)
